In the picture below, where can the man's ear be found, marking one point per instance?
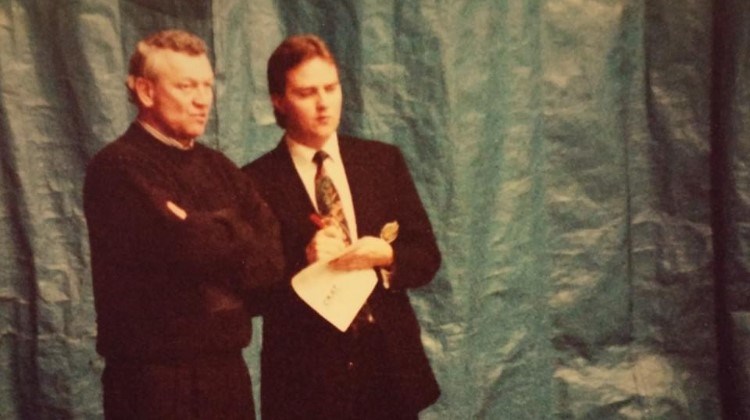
(144, 89)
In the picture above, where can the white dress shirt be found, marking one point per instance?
(302, 156)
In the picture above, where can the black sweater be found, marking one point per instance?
(167, 289)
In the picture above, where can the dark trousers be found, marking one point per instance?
(373, 395)
(213, 388)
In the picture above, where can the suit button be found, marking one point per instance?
(350, 366)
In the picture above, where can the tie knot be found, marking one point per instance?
(319, 157)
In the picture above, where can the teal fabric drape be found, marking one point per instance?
(584, 163)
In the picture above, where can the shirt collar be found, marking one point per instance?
(169, 141)
(301, 152)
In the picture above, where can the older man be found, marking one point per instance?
(179, 241)
(377, 368)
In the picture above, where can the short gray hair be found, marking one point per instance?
(171, 39)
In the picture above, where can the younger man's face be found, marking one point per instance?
(311, 103)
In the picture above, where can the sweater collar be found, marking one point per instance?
(169, 141)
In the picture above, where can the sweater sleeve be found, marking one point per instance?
(130, 224)
(262, 261)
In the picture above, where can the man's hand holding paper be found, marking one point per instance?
(367, 252)
(328, 242)
(337, 295)
(340, 277)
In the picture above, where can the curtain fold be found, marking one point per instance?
(584, 164)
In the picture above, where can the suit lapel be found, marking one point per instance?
(291, 190)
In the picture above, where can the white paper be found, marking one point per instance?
(336, 295)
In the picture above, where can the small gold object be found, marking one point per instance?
(389, 232)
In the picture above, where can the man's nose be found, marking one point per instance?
(203, 96)
(324, 100)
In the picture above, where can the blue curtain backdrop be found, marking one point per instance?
(584, 163)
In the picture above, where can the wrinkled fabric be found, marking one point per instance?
(584, 165)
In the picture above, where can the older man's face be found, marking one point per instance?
(179, 95)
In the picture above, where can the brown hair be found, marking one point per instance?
(171, 39)
(292, 52)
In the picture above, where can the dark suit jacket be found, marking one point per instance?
(301, 356)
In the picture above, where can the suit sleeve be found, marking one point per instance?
(416, 253)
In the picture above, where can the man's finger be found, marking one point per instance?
(177, 210)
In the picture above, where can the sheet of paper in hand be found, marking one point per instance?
(336, 295)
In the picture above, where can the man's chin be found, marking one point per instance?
(194, 133)
(325, 133)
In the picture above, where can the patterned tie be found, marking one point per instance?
(329, 205)
(326, 196)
